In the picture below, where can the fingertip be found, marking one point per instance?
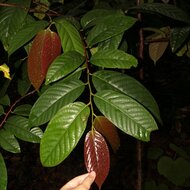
(92, 174)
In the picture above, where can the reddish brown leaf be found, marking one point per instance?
(108, 129)
(96, 155)
(45, 48)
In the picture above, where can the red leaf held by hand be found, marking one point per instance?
(108, 129)
(96, 155)
(46, 46)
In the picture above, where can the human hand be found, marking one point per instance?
(82, 182)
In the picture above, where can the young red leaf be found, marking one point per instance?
(108, 129)
(46, 46)
(96, 156)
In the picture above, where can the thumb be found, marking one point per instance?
(89, 179)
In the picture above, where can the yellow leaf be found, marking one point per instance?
(5, 69)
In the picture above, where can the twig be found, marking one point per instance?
(13, 105)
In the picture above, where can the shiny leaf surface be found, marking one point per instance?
(18, 126)
(126, 114)
(70, 37)
(8, 142)
(25, 34)
(12, 19)
(128, 85)
(96, 155)
(113, 59)
(63, 65)
(53, 99)
(109, 26)
(63, 133)
(95, 15)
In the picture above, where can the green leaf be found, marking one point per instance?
(23, 110)
(109, 26)
(111, 43)
(93, 16)
(63, 65)
(113, 59)
(126, 114)
(168, 10)
(25, 34)
(123, 83)
(11, 19)
(3, 172)
(18, 126)
(177, 171)
(8, 141)
(63, 133)
(5, 100)
(178, 37)
(55, 97)
(70, 37)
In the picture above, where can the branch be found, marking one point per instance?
(12, 106)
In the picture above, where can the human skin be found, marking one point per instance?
(82, 182)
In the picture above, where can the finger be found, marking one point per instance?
(89, 180)
(75, 181)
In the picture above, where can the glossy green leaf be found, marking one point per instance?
(109, 26)
(128, 85)
(75, 75)
(3, 174)
(178, 37)
(23, 110)
(55, 97)
(12, 19)
(113, 59)
(18, 126)
(63, 65)
(177, 171)
(168, 10)
(95, 15)
(25, 34)
(37, 131)
(63, 133)
(8, 142)
(111, 43)
(126, 114)
(70, 37)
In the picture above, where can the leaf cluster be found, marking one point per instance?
(86, 90)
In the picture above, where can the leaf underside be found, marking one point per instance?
(96, 155)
